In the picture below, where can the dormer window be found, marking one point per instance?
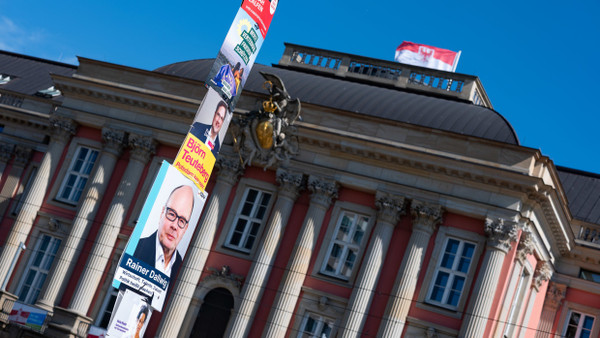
(50, 92)
(4, 79)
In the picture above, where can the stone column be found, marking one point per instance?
(554, 296)
(543, 273)
(323, 192)
(390, 208)
(61, 131)
(22, 156)
(425, 219)
(195, 258)
(500, 236)
(141, 149)
(86, 212)
(258, 275)
(6, 151)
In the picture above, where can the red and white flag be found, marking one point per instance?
(427, 56)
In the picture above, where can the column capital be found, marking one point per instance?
(114, 140)
(322, 190)
(6, 151)
(230, 168)
(500, 233)
(555, 294)
(389, 207)
(525, 246)
(62, 128)
(543, 272)
(141, 147)
(290, 183)
(426, 217)
(22, 155)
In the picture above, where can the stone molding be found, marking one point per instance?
(230, 168)
(525, 246)
(6, 151)
(555, 294)
(114, 140)
(543, 273)
(501, 234)
(426, 217)
(389, 207)
(323, 191)
(62, 128)
(22, 155)
(141, 147)
(290, 183)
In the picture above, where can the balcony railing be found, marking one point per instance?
(588, 235)
(389, 73)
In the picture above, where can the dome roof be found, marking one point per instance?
(370, 99)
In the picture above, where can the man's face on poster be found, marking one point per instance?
(218, 119)
(174, 218)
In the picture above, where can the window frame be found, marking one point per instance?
(29, 298)
(249, 219)
(445, 232)
(321, 304)
(579, 325)
(70, 172)
(569, 307)
(320, 320)
(240, 194)
(326, 245)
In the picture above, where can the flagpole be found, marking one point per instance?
(456, 61)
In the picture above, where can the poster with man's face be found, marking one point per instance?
(157, 246)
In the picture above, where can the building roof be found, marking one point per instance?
(583, 193)
(370, 99)
(29, 74)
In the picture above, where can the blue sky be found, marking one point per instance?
(538, 60)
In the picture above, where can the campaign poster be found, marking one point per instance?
(198, 153)
(28, 316)
(160, 239)
(96, 332)
(131, 317)
(235, 58)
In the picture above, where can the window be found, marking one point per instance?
(345, 245)
(451, 273)
(107, 308)
(516, 307)
(589, 275)
(248, 220)
(38, 268)
(78, 174)
(579, 325)
(316, 326)
(23, 194)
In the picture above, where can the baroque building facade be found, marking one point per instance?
(399, 203)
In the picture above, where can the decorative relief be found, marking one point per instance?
(62, 128)
(141, 147)
(543, 272)
(555, 294)
(53, 224)
(290, 183)
(525, 246)
(389, 207)
(322, 191)
(500, 233)
(22, 155)
(426, 217)
(224, 275)
(114, 140)
(268, 137)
